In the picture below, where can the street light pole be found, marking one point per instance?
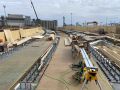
(4, 10)
(5, 15)
(71, 20)
(106, 21)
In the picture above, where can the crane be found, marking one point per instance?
(34, 11)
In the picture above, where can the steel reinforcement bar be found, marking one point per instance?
(32, 77)
(111, 70)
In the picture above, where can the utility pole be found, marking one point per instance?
(63, 21)
(4, 10)
(5, 19)
(71, 20)
(34, 11)
(106, 23)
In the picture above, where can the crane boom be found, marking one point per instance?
(34, 9)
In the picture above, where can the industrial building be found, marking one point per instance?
(16, 20)
(49, 24)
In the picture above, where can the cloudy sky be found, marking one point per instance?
(83, 10)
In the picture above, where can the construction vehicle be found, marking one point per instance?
(85, 70)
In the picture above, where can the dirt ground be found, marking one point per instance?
(58, 75)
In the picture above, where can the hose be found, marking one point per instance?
(65, 73)
(67, 88)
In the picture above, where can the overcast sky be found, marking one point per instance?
(83, 10)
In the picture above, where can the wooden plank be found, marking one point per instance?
(2, 36)
(8, 36)
(111, 54)
(22, 41)
(16, 35)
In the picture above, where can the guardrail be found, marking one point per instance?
(31, 78)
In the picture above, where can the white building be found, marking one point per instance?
(18, 20)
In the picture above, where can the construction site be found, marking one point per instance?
(61, 60)
(40, 55)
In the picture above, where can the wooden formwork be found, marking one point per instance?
(2, 36)
(15, 35)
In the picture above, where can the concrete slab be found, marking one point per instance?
(12, 68)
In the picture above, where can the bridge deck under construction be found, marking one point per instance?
(58, 75)
(14, 67)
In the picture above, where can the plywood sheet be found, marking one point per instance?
(22, 33)
(15, 35)
(2, 36)
(8, 36)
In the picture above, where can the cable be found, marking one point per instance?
(65, 73)
(57, 80)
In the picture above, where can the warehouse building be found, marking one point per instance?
(16, 20)
(49, 24)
